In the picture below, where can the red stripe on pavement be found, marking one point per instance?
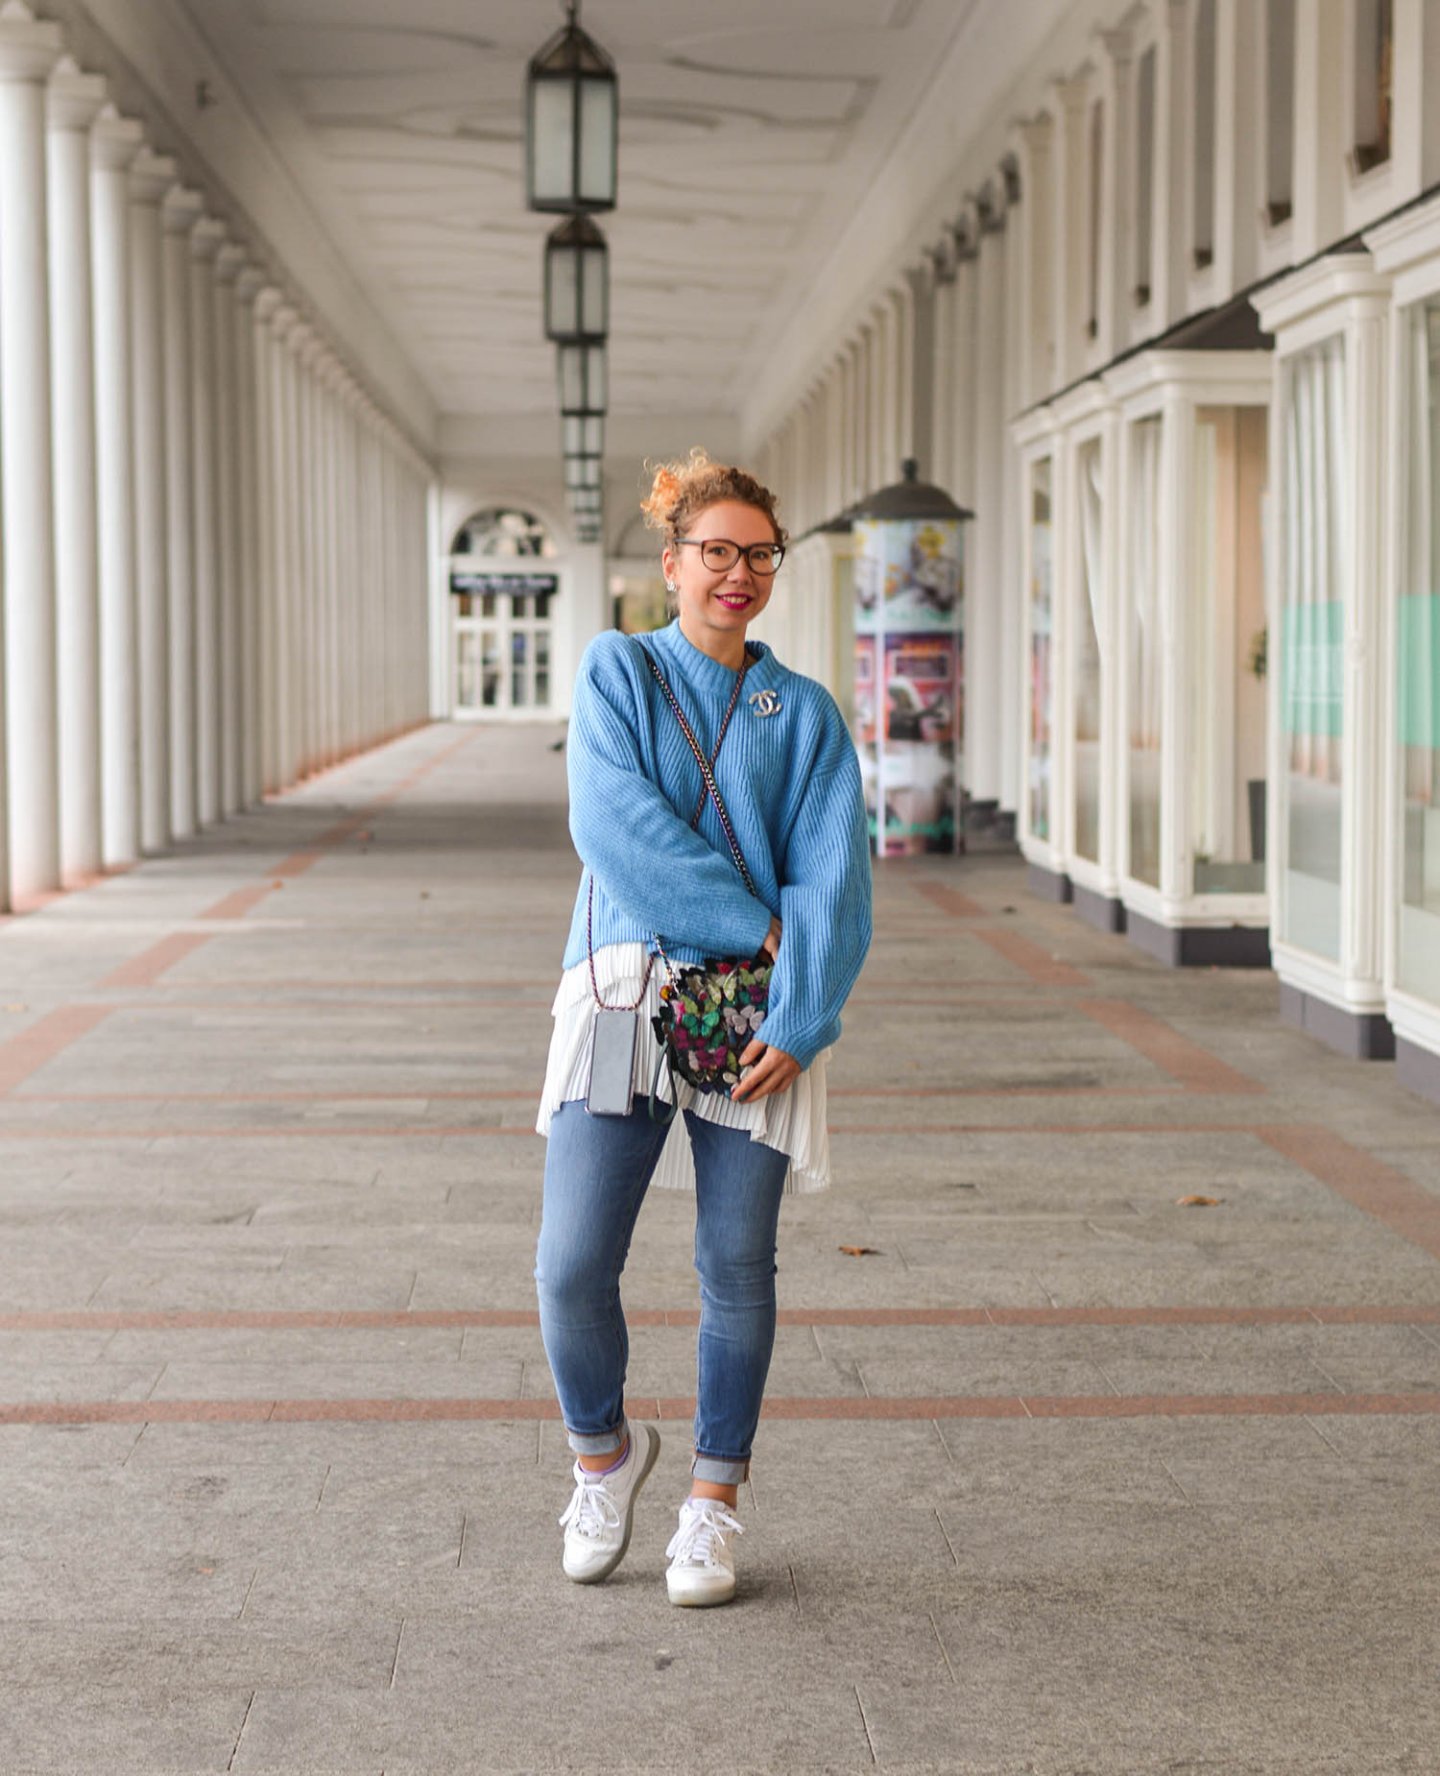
(25, 1054)
(1039, 964)
(855, 1406)
(1164, 1047)
(150, 964)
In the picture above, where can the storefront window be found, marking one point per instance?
(1086, 681)
(1042, 629)
(1418, 659)
(1227, 655)
(1144, 651)
(1312, 643)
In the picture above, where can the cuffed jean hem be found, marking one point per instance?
(601, 1443)
(719, 1470)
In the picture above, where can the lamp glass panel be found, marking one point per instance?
(582, 471)
(562, 305)
(552, 138)
(595, 292)
(582, 379)
(598, 100)
(583, 434)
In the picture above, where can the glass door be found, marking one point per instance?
(503, 648)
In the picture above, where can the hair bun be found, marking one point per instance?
(678, 490)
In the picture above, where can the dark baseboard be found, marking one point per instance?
(1358, 1035)
(1047, 884)
(1103, 911)
(1201, 946)
(1418, 1069)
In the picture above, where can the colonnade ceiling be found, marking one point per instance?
(749, 131)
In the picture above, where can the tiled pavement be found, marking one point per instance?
(1061, 1476)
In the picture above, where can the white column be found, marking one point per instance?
(114, 143)
(227, 511)
(28, 52)
(287, 692)
(350, 652)
(247, 290)
(942, 412)
(984, 640)
(181, 213)
(305, 344)
(904, 312)
(333, 589)
(1033, 151)
(963, 358)
(205, 242)
(267, 306)
(1069, 216)
(1012, 586)
(150, 178)
(75, 101)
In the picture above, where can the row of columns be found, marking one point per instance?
(214, 543)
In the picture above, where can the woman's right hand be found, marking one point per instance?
(771, 945)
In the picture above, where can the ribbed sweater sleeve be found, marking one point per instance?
(825, 912)
(647, 861)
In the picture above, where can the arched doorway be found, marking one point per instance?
(504, 581)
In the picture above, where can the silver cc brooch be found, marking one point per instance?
(765, 702)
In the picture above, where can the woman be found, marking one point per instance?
(659, 871)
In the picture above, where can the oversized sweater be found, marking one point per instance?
(791, 783)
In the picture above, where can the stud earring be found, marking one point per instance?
(670, 586)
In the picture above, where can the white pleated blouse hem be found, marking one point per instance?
(793, 1121)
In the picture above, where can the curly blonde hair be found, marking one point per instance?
(680, 492)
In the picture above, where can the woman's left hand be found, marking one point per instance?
(771, 1070)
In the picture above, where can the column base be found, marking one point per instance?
(1201, 946)
(1104, 911)
(1418, 1069)
(1047, 884)
(1358, 1035)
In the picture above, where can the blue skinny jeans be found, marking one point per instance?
(597, 1170)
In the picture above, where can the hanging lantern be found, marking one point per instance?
(585, 499)
(582, 471)
(577, 282)
(572, 107)
(583, 434)
(582, 379)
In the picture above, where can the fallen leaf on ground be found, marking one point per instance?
(1198, 1202)
(860, 1252)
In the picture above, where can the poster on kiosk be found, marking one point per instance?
(910, 667)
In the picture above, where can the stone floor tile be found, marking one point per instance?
(1123, 1596)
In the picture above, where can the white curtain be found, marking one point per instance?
(1144, 586)
(1316, 528)
(1091, 516)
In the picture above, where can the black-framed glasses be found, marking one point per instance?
(719, 554)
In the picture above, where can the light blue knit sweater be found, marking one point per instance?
(792, 785)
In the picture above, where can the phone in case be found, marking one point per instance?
(612, 1063)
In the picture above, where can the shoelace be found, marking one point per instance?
(702, 1532)
(592, 1510)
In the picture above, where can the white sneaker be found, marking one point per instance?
(702, 1564)
(597, 1519)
